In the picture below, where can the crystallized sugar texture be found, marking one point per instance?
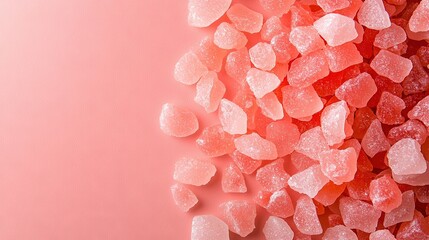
(374, 140)
(245, 19)
(305, 218)
(202, 13)
(227, 37)
(209, 92)
(215, 142)
(421, 111)
(357, 91)
(177, 122)
(307, 69)
(284, 135)
(420, 18)
(306, 39)
(301, 102)
(277, 229)
(232, 117)
(342, 57)
(336, 29)
(208, 227)
(189, 69)
(272, 177)
(339, 165)
(261, 82)
(405, 157)
(263, 56)
(359, 215)
(339, 232)
(256, 147)
(271, 106)
(309, 181)
(183, 197)
(385, 194)
(239, 215)
(233, 180)
(373, 15)
(193, 171)
(392, 66)
(312, 143)
(382, 234)
(333, 122)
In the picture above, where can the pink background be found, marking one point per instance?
(81, 85)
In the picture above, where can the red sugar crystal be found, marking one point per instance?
(382, 234)
(418, 79)
(385, 194)
(246, 164)
(233, 180)
(272, 177)
(359, 187)
(276, 228)
(307, 69)
(254, 146)
(215, 142)
(390, 37)
(342, 56)
(239, 215)
(285, 51)
(359, 215)
(418, 228)
(278, 203)
(373, 15)
(183, 197)
(419, 19)
(330, 193)
(270, 106)
(422, 194)
(389, 109)
(305, 217)
(301, 162)
(284, 135)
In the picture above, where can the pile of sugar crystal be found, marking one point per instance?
(324, 105)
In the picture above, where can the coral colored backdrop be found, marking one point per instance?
(81, 85)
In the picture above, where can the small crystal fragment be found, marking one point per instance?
(307, 69)
(312, 143)
(208, 227)
(359, 215)
(232, 117)
(333, 122)
(237, 64)
(403, 213)
(309, 181)
(215, 142)
(330, 193)
(278, 204)
(374, 140)
(227, 37)
(305, 217)
(389, 109)
(301, 102)
(392, 66)
(204, 13)
(410, 129)
(239, 215)
(416, 229)
(385, 194)
(357, 91)
(193, 171)
(254, 146)
(209, 92)
(233, 180)
(405, 157)
(419, 20)
(177, 122)
(390, 37)
(272, 177)
(339, 232)
(336, 29)
(263, 56)
(339, 165)
(245, 19)
(261, 82)
(183, 197)
(189, 69)
(285, 51)
(342, 56)
(421, 111)
(373, 15)
(246, 164)
(306, 39)
(270, 106)
(272, 27)
(276, 228)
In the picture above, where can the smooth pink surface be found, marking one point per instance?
(81, 87)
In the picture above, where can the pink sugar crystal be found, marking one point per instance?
(193, 171)
(351, 10)
(312, 143)
(385, 194)
(330, 6)
(189, 69)
(233, 180)
(392, 66)
(176, 121)
(208, 227)
(276, 228)
(301, 162)
(329, 193)
(263, 56)
(273, 176)
(204, 13)
(373, 15)
(284, 135)
(389, 109)
(413, 179)
(374, 140)
(300, 16)
(333, 121)
(276, 7)
(301, 102)
(284, 49)
(421, 111)
(357, 91)
(306, 39)
(239, 215)
(246, 164)
(278, 204)
(305, 218)
(390, 37)
(339, 232)
(272, 27)
(307, 69)
(237, 64)
(403, 213)
(336, 29)
(254, 146)
(209, 92)
(245, 19)
(343, 56)
(215, 142)
(210, 55)
(270, 106)
(339, 165)
(416, 229)
(232, 117)
(261, 82)
(308, 181)
(405, 157)
(382, 234)
(359, 215)
(227, 37)
(420, 18)
(183, 197)
(410, 129)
